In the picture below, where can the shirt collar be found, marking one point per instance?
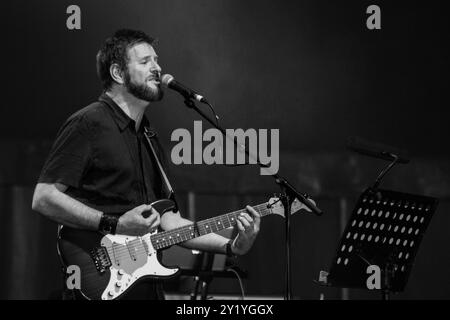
(122, 119)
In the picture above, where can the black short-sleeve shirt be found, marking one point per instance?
(104, 161)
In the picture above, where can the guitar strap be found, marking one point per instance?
(149, 134)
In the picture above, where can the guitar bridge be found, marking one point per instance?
(101, 259)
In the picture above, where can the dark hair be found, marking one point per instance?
(115, 50)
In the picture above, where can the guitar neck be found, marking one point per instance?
(168, 238)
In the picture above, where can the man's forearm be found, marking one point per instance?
(211, 242)
(63, 209)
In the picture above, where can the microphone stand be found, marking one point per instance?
(288, 195)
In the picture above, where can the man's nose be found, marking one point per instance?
(156, 68)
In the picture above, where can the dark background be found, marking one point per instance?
(309, 68)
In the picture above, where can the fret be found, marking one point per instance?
(260, 209)
(233, 219)
(213, 225)
(187, 233)
(218, 224)
(172, 237)
(228, 219)
(223, 222)
(207, 227)
(191, 234)
(200, 229)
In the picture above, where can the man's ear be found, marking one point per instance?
(116, 73)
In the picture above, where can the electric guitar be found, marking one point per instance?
(111, 264)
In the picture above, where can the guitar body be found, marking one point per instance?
(111, 264)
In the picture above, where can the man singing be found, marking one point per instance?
(101, 173)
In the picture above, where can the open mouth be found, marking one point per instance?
(155, 80)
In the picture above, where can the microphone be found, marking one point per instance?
(170, 82)
(376, 150)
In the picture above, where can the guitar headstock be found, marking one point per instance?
(277, 207)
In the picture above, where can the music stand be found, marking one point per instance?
(385, 229)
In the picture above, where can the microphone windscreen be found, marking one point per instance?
(166, 79)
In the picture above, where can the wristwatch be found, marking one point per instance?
(228, 250)
(108, 223)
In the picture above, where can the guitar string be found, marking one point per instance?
(211, 222)
(180, 233)
(123, 251)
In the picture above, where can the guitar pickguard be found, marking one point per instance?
(131, 259)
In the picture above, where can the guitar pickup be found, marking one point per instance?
(101, 259)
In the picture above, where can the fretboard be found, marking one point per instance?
(168, 238)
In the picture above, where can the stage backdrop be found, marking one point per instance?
(311, 69)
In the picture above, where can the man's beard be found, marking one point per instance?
(143, 91)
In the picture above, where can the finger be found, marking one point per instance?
(245, 222)
(255, 214)
(148, 211)
(153, 214)
(138, 210)
(246, 216)
(143, 207)
(240, 226)
(149, 221)
(156, 223)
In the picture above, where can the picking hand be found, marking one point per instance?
(136, 223)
